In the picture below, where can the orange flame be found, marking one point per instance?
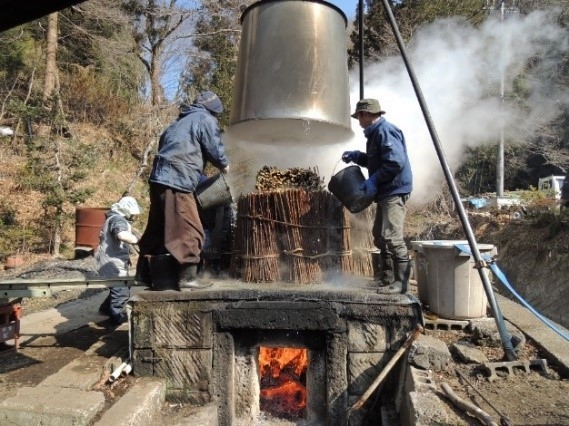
(282, 372)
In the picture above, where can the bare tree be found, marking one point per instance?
(158, 23)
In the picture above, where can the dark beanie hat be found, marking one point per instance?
(209, 100)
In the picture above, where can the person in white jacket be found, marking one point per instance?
(113, 254)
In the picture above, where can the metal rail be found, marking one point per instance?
(45, 287)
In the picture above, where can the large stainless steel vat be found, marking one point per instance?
(292, 78)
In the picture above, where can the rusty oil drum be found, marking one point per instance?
(88, 224)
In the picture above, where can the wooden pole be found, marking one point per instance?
(362, 399)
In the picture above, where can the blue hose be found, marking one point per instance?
(500, 275)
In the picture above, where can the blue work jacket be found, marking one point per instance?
(184, 148)
(386, 159)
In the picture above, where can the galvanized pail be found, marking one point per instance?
(213, 192)
(345, 185)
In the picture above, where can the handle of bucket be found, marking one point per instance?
(336, 165)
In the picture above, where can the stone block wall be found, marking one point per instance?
(207, 348)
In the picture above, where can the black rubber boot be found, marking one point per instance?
(402, 271)
(386, 277)
(142, 274)
(189, 279)
(105, 307)
(376, 265)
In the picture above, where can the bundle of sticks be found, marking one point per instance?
(272, 179)
(291, 235)
(256, 251)
(362, 241)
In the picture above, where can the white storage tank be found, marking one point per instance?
(420, 265)
(454, 288)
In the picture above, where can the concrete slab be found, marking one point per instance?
(82, 373)
(58, 407)
(139, 406)
(64, 318)
(555, 347)
(203, 416)
(63, 398)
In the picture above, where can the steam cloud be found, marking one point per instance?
(459, 69)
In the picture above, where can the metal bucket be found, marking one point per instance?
(88, 224)
(345, 185)
(292, 75)
(213, 192)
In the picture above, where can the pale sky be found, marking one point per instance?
(347, 6)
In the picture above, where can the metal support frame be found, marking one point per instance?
(45, 287)
(504, 335)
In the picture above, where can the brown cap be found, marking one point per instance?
(368, 105)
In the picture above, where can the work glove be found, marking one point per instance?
(369, 188)
(350, 156)
(127, 237)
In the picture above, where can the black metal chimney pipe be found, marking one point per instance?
(504, 335)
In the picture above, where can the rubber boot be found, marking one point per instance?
(386, 277)
(142, 274)
(376, 265)
(105, 307)
(402, 270)
(188, 278)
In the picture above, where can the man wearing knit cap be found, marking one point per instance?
(174, 227)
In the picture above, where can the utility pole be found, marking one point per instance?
(492, 5)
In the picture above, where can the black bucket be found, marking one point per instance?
(213, 192)
(345, 185)
(163, 272)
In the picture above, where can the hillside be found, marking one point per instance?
(113, 168)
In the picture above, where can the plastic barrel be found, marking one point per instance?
(88, 224)
(454, 287)
(345, 185)
(213, 192)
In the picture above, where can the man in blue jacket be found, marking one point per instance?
(389, 184)
(174, 225)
